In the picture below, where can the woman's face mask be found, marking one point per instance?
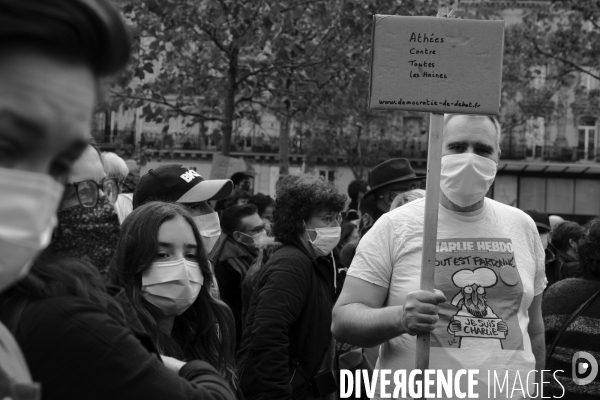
(28, 204)
(172, 286)
(326, 239)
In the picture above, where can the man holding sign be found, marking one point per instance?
(485, 312)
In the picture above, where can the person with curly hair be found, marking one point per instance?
(560, 302)
(287, 344)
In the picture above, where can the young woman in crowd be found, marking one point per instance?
(163, 267)
(287, 342)
(78, 345)
(562, 301)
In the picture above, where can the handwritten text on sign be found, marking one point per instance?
(478, 327)
(442, 65)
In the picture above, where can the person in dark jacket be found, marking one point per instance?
(560, 301)
(565, 239)
(287, 337)
(242, 227)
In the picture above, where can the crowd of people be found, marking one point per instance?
(171, 286)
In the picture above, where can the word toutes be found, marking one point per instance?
(438, 384)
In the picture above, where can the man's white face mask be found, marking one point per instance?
(210, 229)
(466, 177)
(28, 204)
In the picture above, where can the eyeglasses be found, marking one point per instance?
(256, 231)
(88, 192)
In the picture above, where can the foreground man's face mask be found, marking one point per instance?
(28, 204)
(466, 177)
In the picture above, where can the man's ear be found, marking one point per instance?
(573, 245)
(237, 237)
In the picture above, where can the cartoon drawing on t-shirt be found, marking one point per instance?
(481, 280)
(475, 318)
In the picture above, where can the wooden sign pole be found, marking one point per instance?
(432, 201)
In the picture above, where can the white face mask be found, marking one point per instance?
(466, 177)
(28, 204)
(210, 229)
(256, 239)
(326, 240)
(172, 286)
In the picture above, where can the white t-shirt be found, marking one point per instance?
(124, 206)
(483, 324)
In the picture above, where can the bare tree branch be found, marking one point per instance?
(164, 102)
(302, 3)
(563, 60)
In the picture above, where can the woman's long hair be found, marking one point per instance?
(205, 331)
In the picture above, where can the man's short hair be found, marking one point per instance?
(262, 202)
(565, 231)
(91, 31)
(448, 117)
(355, 187)
(238, 177)
(231, 220)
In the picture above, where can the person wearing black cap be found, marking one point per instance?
(176, 183)
(389, 179)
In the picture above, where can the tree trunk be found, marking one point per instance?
(284, 146)
(229, 106)
(202, 136)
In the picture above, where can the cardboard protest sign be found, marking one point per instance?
(439, 65)
(223, 167)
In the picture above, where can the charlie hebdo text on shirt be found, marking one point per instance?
(481, 281)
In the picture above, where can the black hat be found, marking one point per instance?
(391, 171)
(540, 218)
(176, 183)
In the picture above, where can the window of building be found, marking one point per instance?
(588, 139)
(327, 174)
(588, 81)
(535, 137)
